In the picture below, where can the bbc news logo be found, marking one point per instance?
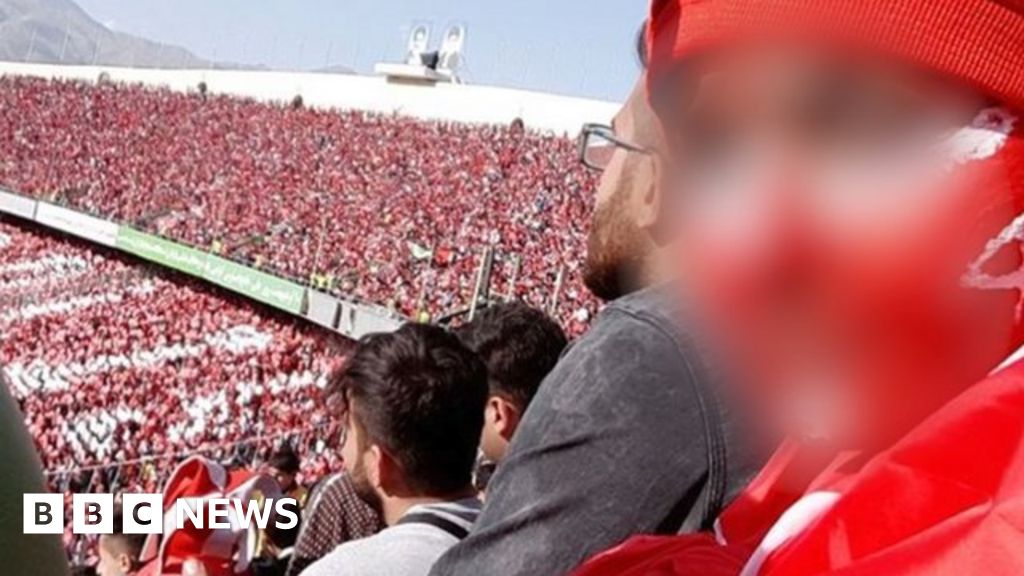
(144, 513)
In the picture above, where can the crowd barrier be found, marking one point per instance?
(350, 319)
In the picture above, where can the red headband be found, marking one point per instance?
(978, 41)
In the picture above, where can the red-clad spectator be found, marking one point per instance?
(387, 209)
(121, 373)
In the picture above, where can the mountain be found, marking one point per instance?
(58, 31)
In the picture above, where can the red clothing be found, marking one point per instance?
(978, 41)
(947, 499)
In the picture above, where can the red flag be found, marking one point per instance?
(222, 552)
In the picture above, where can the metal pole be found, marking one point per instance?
(319, 245)
(64, 46)
(483, 280)
(327, 58)
(96, 50)
(213, 61)
(159, 55)
(31, 46)
(516, 262)
(428, 278)
(553, 305)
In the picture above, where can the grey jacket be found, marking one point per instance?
(624, 437)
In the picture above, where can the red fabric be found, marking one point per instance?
(979, 41)
(663, 556)
(948, 499)
(221, 552)
(793, 471)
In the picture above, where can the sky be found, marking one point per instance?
(574, 47)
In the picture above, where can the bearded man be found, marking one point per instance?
(849, 182)
(627, 435)
(411, 404)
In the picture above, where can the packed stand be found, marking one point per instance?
(384, 209)
(121, 372)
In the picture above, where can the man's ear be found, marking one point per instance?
(492, 411)
(649, 200)
(381, 469)
(506, 417)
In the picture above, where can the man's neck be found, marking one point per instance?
(645, 276)
(658, 268)
(395, 508)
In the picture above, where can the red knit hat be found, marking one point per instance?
(978, 41)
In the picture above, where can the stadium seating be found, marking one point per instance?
(385, 209)
(121, 371)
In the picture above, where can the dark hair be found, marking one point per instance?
(130, 544)
(285, 460)
(519, 345)
(420, 394)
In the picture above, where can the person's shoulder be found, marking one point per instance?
(644, 326)
(352, 557)
(656, 305)
(329, 565)
(635, 346)
(400, 550)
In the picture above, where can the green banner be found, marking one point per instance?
(161, 251)
(254, 284)
(257, 285)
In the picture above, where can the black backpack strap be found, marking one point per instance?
(436, 521)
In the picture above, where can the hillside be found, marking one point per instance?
(55, 31)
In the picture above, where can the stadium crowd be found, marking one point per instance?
(385, 209)
(810, 361)
(122, 372)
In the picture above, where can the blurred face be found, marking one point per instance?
(112, 562)
(284, 479)
(825, 228)
(616, 245)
